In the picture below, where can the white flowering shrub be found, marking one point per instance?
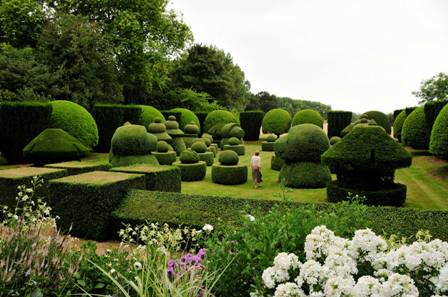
(365, 266)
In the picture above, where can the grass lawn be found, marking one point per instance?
(427, 181)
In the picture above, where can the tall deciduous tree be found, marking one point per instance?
(435, 88)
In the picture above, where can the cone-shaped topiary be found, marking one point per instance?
(365, 161)
(334, 140)
(380, 118)
(276, 121)
(187, 118)
(308, 116)
(199, 147)
(398, 124)
(54, 145)
(439, 135)
(228, 172)
(192, 169)
(215, 120)
(158, 129)
(149, 114)
(76, 121)
(415, 133)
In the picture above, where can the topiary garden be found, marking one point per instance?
(177, 135)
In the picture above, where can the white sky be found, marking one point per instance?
(355, 55)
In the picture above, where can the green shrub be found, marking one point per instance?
(305, 175)
(163, 147)
(189, 157)
(199, 147)
(271, 138)
(337, 121)
(206, 140)
(308, 116)
(87, 164)
(277, 121)
(157, 178)
(109, 117)
(158, 129)
(85, 202)
(439, 135)
(240, 149)
(178, 144)
(415, 133)
(233, 141)
(117, 160)
(20, 123)
(380, 118)
(167, 158)
(277, 163)
(133, 140)
(362, 121)
(187, 116)
(207, 157)
(76, 121)
(191, 128)
(229, 174)
(231, 130)
(54, 145)
(192, 171)
(267, 146)
(228, 158)
(334, 140)
(215, 120)
(281, 145)
(432, 110)
(251, 123)
(172, 126)
(396, 113)
(398, 124)
(148, 115)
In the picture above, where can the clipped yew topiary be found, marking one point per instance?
(165, 153)
(268, 145)
(158, 129)
(432, 110)
(229, 172)
(334, 140)
(439, 135)
(398, 124)
(280, 147)
(362, 121)
(365, 161)
(308, 116)
(337, 121)
(215, 120)
(148, 115)
(187, 118)
(234, 144)
(251, 123)
(228, 131)
(303, 146)
(76, 121)
(177, 135)
(415, 133)
(192, 169)
(380, 118)
(203, 152)
(276, 121)
(191, 134)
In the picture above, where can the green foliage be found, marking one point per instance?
(239, 149)
(439, 135)
(192, 129)
(158, 129)
(202, 115)
(189, 156)
(432, 110)
(305, 175)
(395, 114)
(398, 124)
(178, 144)
(337, 121)
(361, 121)
(163, 147)
(54, 145)
(133, 140)
(199, 147)
(267, 146)
(187, 117)
(277, 163)
(308, 116)
(149, 114)
(228, 158)
(20, 123)
(233, 141)
(173, 97)
(119, 160)
(207, 157)
(415, 132)
(271, 138)
(435, 88)
(229, 174)
(76, 121)
(192, 171)
(380, 118)
(251, 124)
(167, 158)
(215, 120)
(334, 140)
(276, 121)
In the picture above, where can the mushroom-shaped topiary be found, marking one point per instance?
(203, 152)
(276, 121)
(398, 124)
(54, 145)
(415, 133)
(165, 153)
(308, 116)
(131, 144)
(229, 172)
(172, 128)
(334, 140)
(149, 114)
(158, 129)
(380, 119)
(187, 118)
(192, 169)
(191, 134)
(439, 135)
(268, 144)
(215, 120)
(303, 145)
(189, 157)
(365, 161)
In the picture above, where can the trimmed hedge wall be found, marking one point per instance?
(251, 123)
(85, 202)
(83, 166)
(229, 174)
(439, 135)
(109, 117)
(415, 133)
(337, 121)
(192, 172)
(305, 175)
(21, 122)
(432, 110)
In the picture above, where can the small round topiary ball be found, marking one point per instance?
(199, 147)
(334, 140)
(191, 128)
(228, 158)
(157, 126)
(308, 116)
(189, 157)
(163, 147)
(233, 141)
(133, 140)
(276, 121)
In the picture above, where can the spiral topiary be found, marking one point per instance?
(215, 120)
(439, 135)
(149, 114)
(199, 147)
(308, 116)
(76, 121)
(380, 118)
(398, 124)
(228, 158)
(187, 118)
(415, 133)
(276, 121)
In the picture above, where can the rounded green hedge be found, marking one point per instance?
(166, 158)
(192, 172)
(239, 149)
(231, 130)
(133, 140)
(398, 124)
(149, 114)
(158, 129)
(199, 147)
(207, 157)
(76, 121)
(215, 120)
(334, 140)
(178, 144)
(308, 116)
(276, 121)
(380, 118)
(189, 157)
(305, 175)
(267, 146)
(163, 147)
(187, 117)
(206, 140)
(280, 145)
(228, 158)
(191, 128)
(414, 132)
(439, 135)
(362, 121)
(277, 163)
(271, 138)
(233, 141)
(229, 175)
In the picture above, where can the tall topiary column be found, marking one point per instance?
(365, 161)
(337, 121)
(251, 124)
(172, 128)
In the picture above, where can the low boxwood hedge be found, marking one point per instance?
(192, 172)
(166, 158)
(240, 149)
(229, 174)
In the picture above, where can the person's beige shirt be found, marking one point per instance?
(255, 162)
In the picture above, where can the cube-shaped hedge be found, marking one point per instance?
(84, 202)
(10, 179)
(158, 178)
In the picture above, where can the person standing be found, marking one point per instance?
(255, 164)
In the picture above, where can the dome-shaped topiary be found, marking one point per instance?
(228, 158)
(191, 128)
(163, 147)
(280, 145)
(276, 121)
(199, 147)
(76, 121)
(233, 141)
(308, 116)
(398, 124)
(232, 130)
(334, 140)
(439, 135)
(172, 126)
(187, 118)
(271, 138)
(362, 121)
(206, 135)
(158, 129)
(415, 133)
(133, 140)
(380, 118)
(149, 114)
(189, 157)
(206, 141)
(215, 120)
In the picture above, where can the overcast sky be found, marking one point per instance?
(352, 54)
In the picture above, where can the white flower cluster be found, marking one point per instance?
(365, 266)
